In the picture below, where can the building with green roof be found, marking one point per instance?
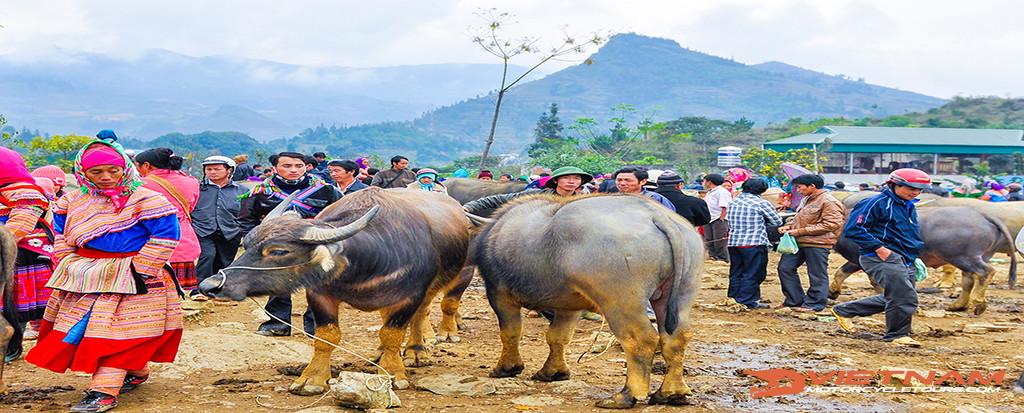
(879, 150)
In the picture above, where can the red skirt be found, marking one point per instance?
(83, 331)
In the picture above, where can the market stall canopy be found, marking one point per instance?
(866, 139)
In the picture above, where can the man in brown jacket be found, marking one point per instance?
(816, 226)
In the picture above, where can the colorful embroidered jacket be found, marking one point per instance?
(21, 207)
(314, 195)
(143, 235)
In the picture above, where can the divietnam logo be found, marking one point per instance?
(782, 382)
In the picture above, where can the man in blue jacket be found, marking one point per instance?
(885, 229)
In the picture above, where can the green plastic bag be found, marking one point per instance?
(922, 270)
(787, 245)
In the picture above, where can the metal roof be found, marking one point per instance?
(907, 140)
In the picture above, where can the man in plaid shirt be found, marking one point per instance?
(749, 216)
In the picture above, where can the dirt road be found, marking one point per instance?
(223, 367)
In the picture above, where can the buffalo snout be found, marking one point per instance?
(213, 286)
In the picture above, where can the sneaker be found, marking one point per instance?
(845, 322)
(131, 382)
(906, 341)
(273, 332)
(95, 401)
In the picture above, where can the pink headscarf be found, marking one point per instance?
(101, 155)
(106, 153)
(14, 169)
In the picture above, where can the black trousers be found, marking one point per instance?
(748, 267)
(217, 253)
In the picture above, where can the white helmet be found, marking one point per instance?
(219, 160)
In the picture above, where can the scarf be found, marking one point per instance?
(130, 181)
(14, 169)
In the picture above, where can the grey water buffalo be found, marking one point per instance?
(545, 253)
(959, 236)
(389, 251)
(9, 321)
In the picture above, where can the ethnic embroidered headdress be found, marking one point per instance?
(107, 152)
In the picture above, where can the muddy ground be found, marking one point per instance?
(223, 367)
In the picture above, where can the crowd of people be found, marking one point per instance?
(102, 268)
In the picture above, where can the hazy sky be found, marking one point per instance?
(937, 47)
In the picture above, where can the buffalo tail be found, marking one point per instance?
(1013, 248)
(685, 275)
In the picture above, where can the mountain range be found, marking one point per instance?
(165, 92)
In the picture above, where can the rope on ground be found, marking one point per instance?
(260, 402)
(384, 379)
(294, 328)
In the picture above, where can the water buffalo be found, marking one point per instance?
(959, 236)
(545, 253)
(465, 190)
(9, 320)
(377, 250)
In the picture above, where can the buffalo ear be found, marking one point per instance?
(316, 235)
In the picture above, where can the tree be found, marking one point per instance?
(548, 133)
(620, 140)
(55, 150)
(767, 162)
(489, 38)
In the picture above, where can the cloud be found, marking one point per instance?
(942, 47)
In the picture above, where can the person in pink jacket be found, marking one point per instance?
(161, 172)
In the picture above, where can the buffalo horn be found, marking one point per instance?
(479, 220)
(330, 235)
(278, 211)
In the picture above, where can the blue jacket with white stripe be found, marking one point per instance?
(885, 220)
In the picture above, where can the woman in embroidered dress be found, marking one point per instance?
(161, 171)
(114, 307)
(22, 207)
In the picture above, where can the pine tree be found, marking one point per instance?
(548, 133)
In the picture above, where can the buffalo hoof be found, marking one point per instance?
(448, 336)
(956, 308)
(513, 371)
(832, 295)
(670, 399)
(617, 401)
(551, 376)
(301, 388)
(416, 356)
(979, 308)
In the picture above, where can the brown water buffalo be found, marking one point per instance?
(545, 253)
(959, 236)
(9, 321)
(466, 189)
(377, 250)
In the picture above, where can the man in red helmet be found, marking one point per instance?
(885, 229)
